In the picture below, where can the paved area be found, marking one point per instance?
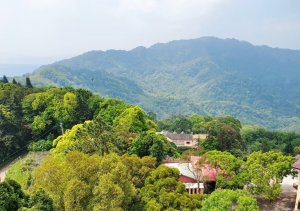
(286, 200)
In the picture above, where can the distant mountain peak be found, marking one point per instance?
(206, 75)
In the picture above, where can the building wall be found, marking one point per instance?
(185, 179)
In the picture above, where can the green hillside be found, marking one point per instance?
(208, 76)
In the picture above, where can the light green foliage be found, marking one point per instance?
(297, 150)
(231, 170)
(110, 109)
(134, 120)
(90, 137)
(163, 191)
(139, 168)
(76, 195)
(224, 200)
(22, 170)
(266, 170)
(82, 182)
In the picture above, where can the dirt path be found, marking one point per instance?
(5, 168)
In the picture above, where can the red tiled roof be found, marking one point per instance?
(208, 172)
(296, 165)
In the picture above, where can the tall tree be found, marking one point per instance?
(14, 81)
(266, 170)
(28, 83)
(4, 79)
(155, 145)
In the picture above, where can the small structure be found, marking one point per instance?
(185, 139)
(296, 166)
(197, 137)
(193, 177)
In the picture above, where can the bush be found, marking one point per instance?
(41, 145)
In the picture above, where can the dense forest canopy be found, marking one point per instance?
(207, 76)
(109, 153)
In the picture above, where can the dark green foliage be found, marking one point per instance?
(41, 145)
(186, 124)
(207, 76)
(176, 124)
(14, 135)
(151, 144)
(224, 135)
(4, 80)
(14, 81)
(28, 83)
(11, 196)
(41, 201)
(260, 139)
(31, 114)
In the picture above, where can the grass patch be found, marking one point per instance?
(22, 170)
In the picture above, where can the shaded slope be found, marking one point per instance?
(257, 84)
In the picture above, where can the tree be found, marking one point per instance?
(5, 80)
(79, 181)
(40, 200)
(177, 123)
(164, 191)
(14, 81)
(134, 120)
(224, 135)
(139, 168)
(155, 145)
(11, 196)
(231, 171)
(28, 83)
(76, 195)
(223, 200)
(90, 137)
(266, 171)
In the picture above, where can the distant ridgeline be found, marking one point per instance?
(207, 76)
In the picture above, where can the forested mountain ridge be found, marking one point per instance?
(207, 76)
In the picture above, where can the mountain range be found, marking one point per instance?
(208, 76)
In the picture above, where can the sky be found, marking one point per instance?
(44, 31)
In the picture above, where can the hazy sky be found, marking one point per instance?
(42, 31)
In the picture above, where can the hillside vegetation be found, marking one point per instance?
(206, 76)
(105, 154)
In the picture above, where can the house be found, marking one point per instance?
(185, 139)
(197, 137)
(194, 178)
(296, 166)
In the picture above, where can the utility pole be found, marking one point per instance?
(61, 127)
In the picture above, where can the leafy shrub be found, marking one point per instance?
(41, 145)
